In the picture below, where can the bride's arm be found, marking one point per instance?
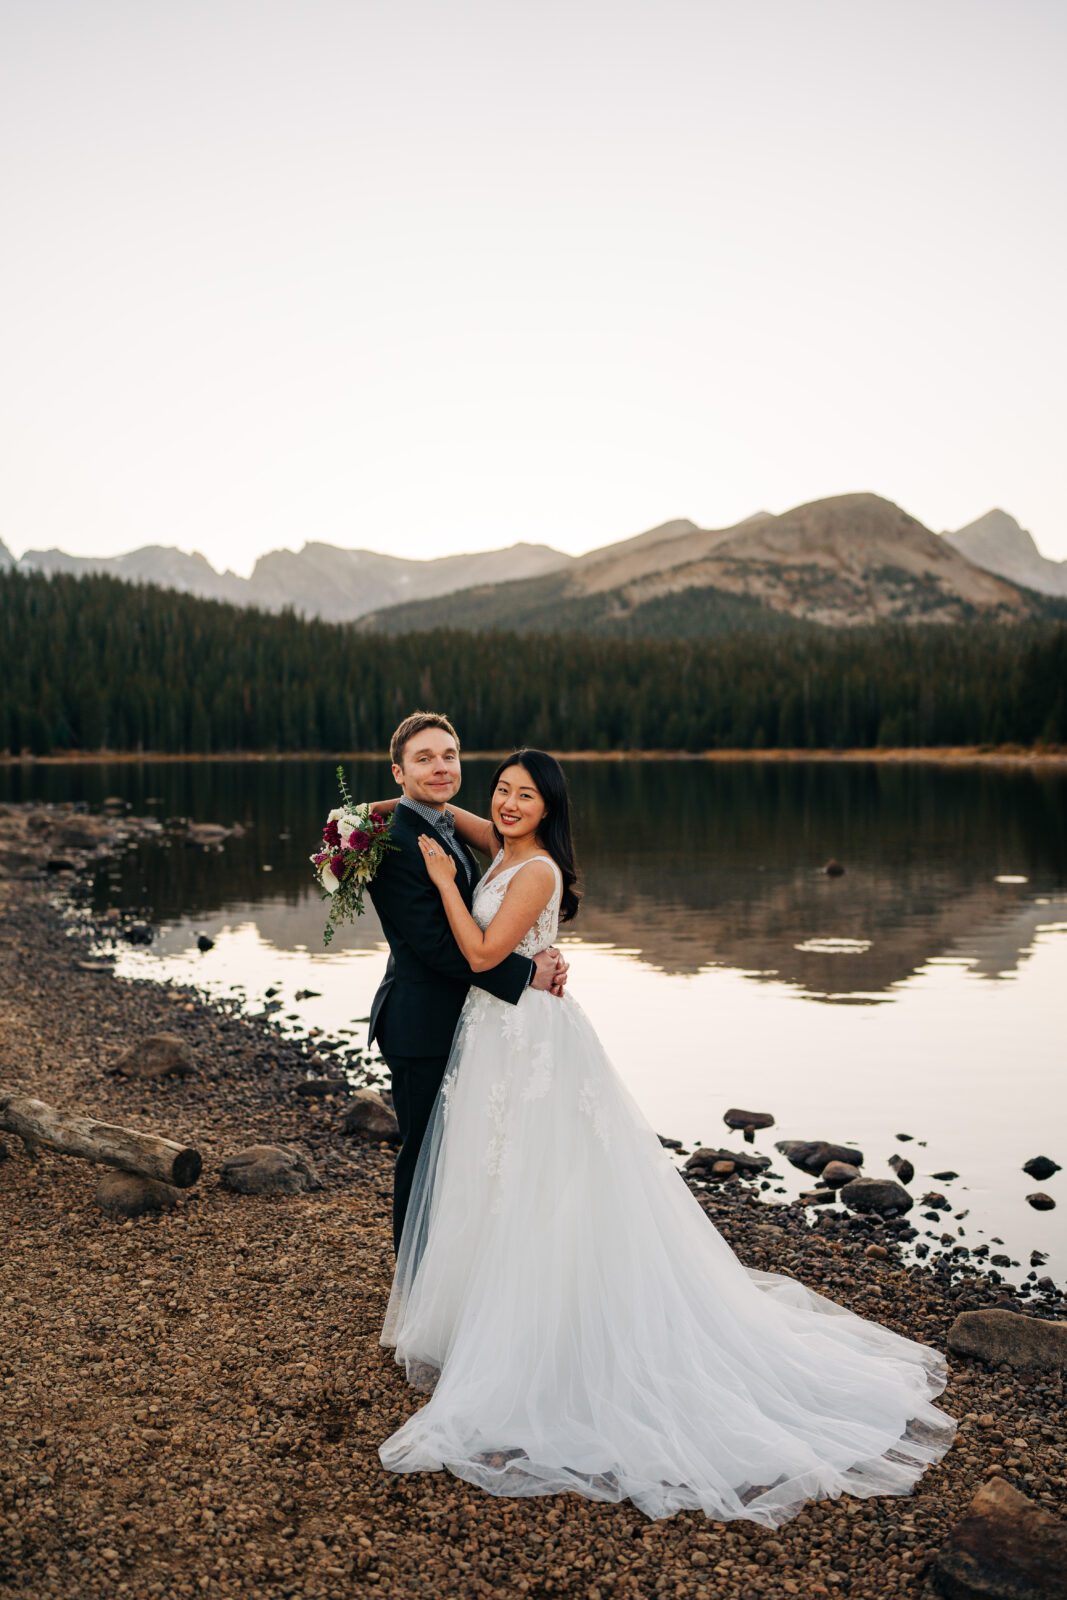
(472, 829)
(525, 898)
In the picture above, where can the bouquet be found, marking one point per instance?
(355, 840)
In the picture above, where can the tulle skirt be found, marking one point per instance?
(582, 1326)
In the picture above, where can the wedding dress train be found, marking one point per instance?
(584, 1326)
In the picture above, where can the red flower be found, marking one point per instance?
(320, 857)
(379, 821)
(332, 834)
(337, 866)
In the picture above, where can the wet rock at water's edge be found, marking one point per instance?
(902, 1167)
(882, 1196)
(1040, 1167)
(811, 1155)
(836, 1173)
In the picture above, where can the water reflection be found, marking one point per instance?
(689, 865)
(919, 991)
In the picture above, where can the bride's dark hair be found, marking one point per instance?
(554, 832)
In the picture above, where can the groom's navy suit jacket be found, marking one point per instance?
(418, 1002)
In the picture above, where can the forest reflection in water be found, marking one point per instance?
(920, 990)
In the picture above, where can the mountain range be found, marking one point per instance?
(841, 561)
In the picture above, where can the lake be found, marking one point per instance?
(921, 992)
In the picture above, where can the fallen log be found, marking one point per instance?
(146, 1154)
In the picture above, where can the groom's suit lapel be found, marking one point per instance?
(416, 825)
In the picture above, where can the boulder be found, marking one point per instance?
(1009, 1336)
(1040, 1167)
(881, 1195)
(902, 1167)
(157, 1055)
(123, 1194)
(835, 1173)
(811, 1155)
(269, 1169)
(1004, 1547)
(370, 1117)
(1041, 1201)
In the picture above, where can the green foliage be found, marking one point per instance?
(92, 663)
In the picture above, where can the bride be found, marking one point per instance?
(580, 1322)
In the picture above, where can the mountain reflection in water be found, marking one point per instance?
(919, 992)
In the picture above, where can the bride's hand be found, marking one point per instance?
(439, 863)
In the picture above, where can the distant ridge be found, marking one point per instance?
(845, 561)
(320, 580)
(998, 543)
(841, 561)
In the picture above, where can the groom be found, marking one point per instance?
(415, 1011)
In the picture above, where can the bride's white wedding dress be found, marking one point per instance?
(584, 1326)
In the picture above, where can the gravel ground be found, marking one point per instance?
(192, 1403)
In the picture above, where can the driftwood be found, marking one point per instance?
(146, 1154)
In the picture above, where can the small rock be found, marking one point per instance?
(203, 942)
(818, 1197)
(1040, 1167)
(138, 933)
(1004, 1547)
(704, 1160)
(124, 1194)
(1017, 1339)
(881, 1195)
(811, 1155)
(735, 1118)
(902, 1167)
(1041, 1201)
(369, 1116)
(269, 1169)
(157, 1055)
(318, 1088)
(835, 1173)
(833, 869)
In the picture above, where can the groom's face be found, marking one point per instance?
(428, 769)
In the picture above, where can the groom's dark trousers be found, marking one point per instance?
(414, 1013)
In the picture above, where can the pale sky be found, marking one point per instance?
(428, 277)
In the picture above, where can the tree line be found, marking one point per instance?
(93, 663)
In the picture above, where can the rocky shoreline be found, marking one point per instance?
(193, 1399)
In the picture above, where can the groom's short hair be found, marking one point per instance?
(416, 723)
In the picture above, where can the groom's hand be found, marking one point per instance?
(550, 972)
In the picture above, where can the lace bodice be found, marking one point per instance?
(488, 896)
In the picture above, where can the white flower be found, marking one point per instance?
(336, 814)
(327, 879)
